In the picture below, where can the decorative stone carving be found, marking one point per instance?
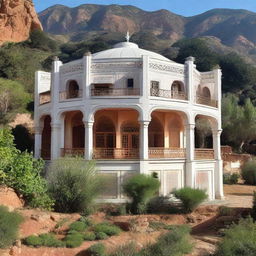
(117, 65)
(46, 77)
(71, 68)
(167, 68)
(207, 77)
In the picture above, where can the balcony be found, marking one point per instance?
(44, 97)
(206, 101)
(115, 92)
(204, 154)
(71, 96)
(72, 152)
(169, 94)
(116, 153)
(170, 153)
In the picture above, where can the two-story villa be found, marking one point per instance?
(133, 111)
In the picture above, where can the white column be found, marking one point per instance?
(218, 172)
(38, 142)
(189, 64)
(55, 140)
(190, 156)
(144, 140)
(87, 75)
(88, 144)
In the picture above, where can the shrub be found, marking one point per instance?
(97, 250)
(89, 236)
(34, 241)
(74, 240)
(230, 179)
(78, 226)
(175, 243)
(49, 240)
(107, 228)
(88, 222)
(74, 184)
(190, 198)
(9, 225)
(126, 250)
(101, 235)
(239, 240)
(140, 188)
(249, 172)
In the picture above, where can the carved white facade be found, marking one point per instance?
(148, 104)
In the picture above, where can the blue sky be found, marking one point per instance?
(183, 7)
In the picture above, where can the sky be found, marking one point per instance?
(182, 7)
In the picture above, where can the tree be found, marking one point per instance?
(203, 131)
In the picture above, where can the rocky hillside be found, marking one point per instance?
(17, 19)
(233, 28)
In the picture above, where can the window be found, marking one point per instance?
(130, 83)
(154, 85)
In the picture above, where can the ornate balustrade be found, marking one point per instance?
(168, 94)
(116, 153)
(115, 92)
(72, 152)
(44, 97)
(204, 153)
(70, 96)
(171, 153)
(206, 101)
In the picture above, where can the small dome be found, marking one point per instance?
(127, 50)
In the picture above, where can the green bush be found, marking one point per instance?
(175, 243)
(88, 222)
(78, 226)
(49, 240)
(140, 188)
(34, 241)
(190, 198)
(107, 228)
(23, 173)
(126, 250)
(101, 235)
(97, 250)
(230, 179)
(9, 225)
(74, 184)
(239, 240)
(249, 172)
(89, 236)
(73, 240)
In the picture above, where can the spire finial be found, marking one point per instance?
(128, 36)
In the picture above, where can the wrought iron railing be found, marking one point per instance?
(70, 96)
(206, 101)
(171, 153)
(116, 153)
(115, 92)
(204, 153)
(71, 152)
(168, 94)
(44, 97)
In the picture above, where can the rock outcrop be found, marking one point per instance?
(17, 19)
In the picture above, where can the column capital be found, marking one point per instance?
(55, 125)
(88, 124)
(190, 126)
(217, 132)
(144, 123)
(38, 129)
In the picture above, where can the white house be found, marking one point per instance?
(133, 111)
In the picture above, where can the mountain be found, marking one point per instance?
(231, 28)
(17, 19)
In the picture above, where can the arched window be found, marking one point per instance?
(105, 134)
(130, 135)
(178, 90)
(72, 89)
(206, 93)
(155, 133)
(78, 132)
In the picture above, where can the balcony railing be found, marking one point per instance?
(71, 152)
(115, 92)
(206, 101)
(71, 96)
(116, 153)
(204, 153)
(44, 97)
(171, 153)
(168, 94)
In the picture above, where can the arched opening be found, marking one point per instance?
(203, 133)
(74, 134)
(155, 133)
(206, 93)
(105, 134)
(175, 130)
(178, 90)
(130, 134)
(46, 138)
(72, 89)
